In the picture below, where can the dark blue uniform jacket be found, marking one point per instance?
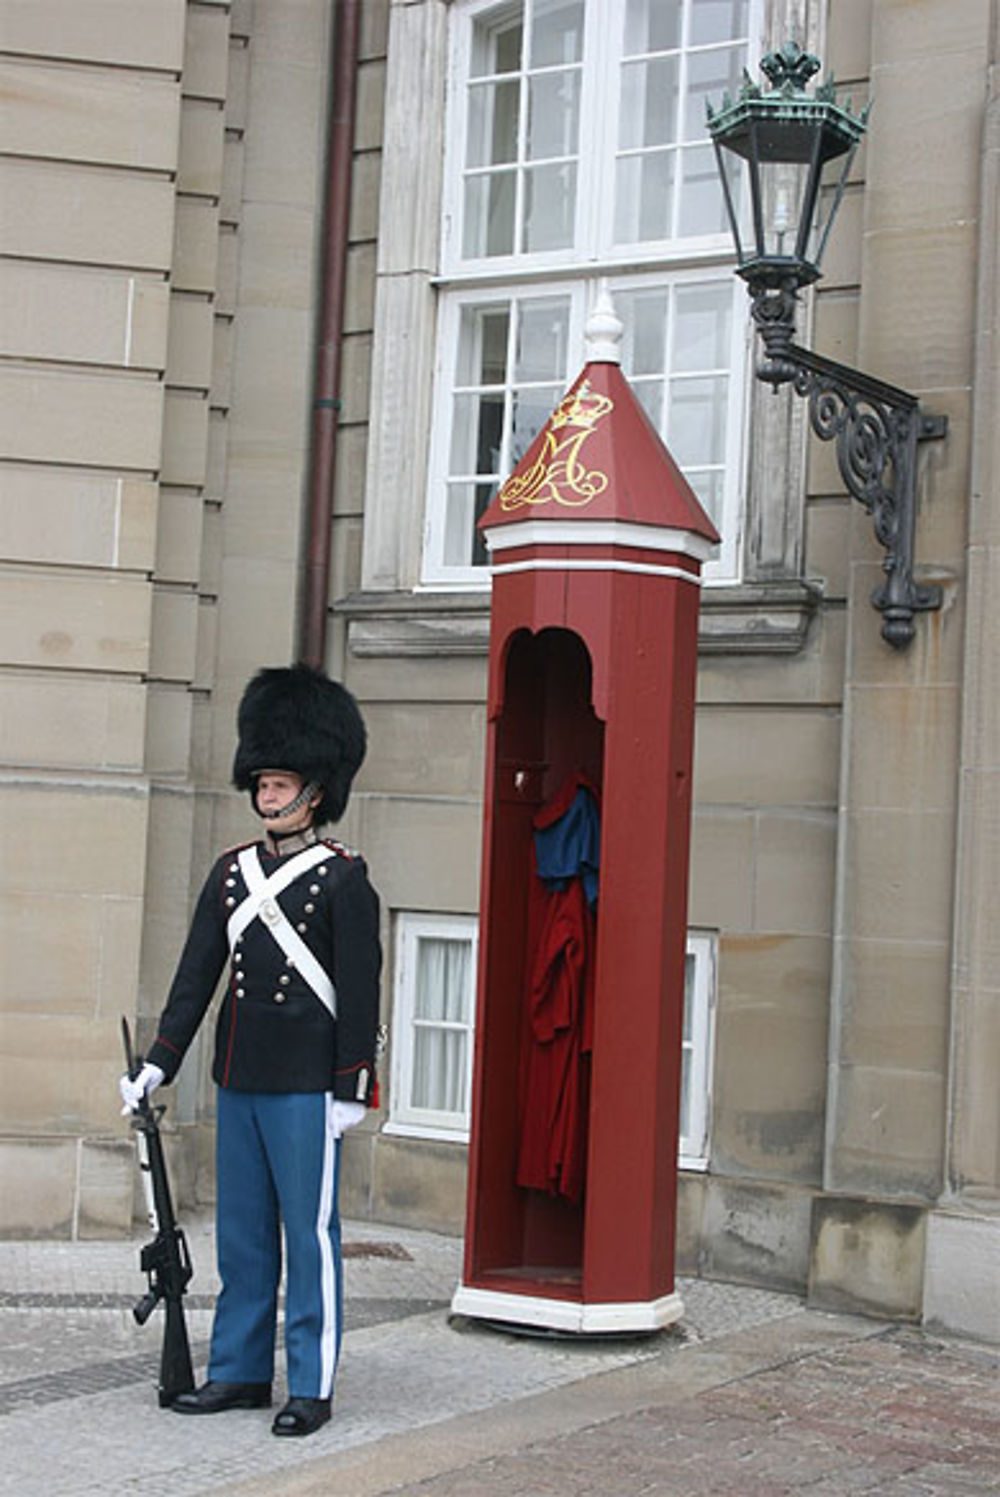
(273, 1033)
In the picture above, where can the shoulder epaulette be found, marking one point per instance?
(340, 850)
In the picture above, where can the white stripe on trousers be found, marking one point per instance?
(328, 1283)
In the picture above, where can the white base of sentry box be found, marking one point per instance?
(623, 1318)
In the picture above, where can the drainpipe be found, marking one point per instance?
(333, 277)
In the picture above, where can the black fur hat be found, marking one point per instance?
(294, 717)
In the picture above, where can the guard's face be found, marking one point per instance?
(275, 791)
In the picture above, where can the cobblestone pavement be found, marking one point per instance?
(753, 1395)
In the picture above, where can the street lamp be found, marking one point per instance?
(798, 149)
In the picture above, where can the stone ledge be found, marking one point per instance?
(751, 618)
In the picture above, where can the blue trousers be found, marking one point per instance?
(278, 1164)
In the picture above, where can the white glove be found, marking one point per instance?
(144, 1085)
(346, 1115)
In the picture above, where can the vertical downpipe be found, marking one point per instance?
(333, 276)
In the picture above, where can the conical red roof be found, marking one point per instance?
(599, 457)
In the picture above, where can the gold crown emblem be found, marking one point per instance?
(582, 408)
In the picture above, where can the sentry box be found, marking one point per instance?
(596, 546)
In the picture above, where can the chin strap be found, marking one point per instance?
(303, 798)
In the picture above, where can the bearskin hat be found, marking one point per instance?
(296, 718)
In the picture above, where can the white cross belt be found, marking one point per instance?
(262, 903)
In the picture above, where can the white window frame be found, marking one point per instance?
(594, 237)
(698, 1047)
(405, 1119)
(698, 1050)
(574, 271)
(723, 567)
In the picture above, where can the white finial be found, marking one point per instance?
(603, 332)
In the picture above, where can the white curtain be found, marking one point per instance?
(441, 1024)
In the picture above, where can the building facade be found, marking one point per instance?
(168, 257)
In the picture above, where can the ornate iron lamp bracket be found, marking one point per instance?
(876, 427)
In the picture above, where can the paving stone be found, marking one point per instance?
(751, 1396)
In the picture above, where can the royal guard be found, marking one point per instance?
(296, 921)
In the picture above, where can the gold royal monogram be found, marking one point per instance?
(559, 472)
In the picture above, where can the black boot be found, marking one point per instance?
(215, 1398)
(301, 1416)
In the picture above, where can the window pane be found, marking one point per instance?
(650, 93)
(439, 1070)
(644, 315)
(702, 327)
(650, 393)
(488, 227)
(442, 979)
(703, 210)
(550, 207)
(697, 425)
(497, 48)
(556, 32)
(718, 20)
(463, 545)
(685, 1107)
(652, 26)
(532, 408)
(492, 137)
(476, 434)
(710, 488)
(689, 976)
(710, 75)
(542, 339)
(553, 115)
(644, 193)
(482, 346)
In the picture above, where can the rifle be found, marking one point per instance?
(165, 1261)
